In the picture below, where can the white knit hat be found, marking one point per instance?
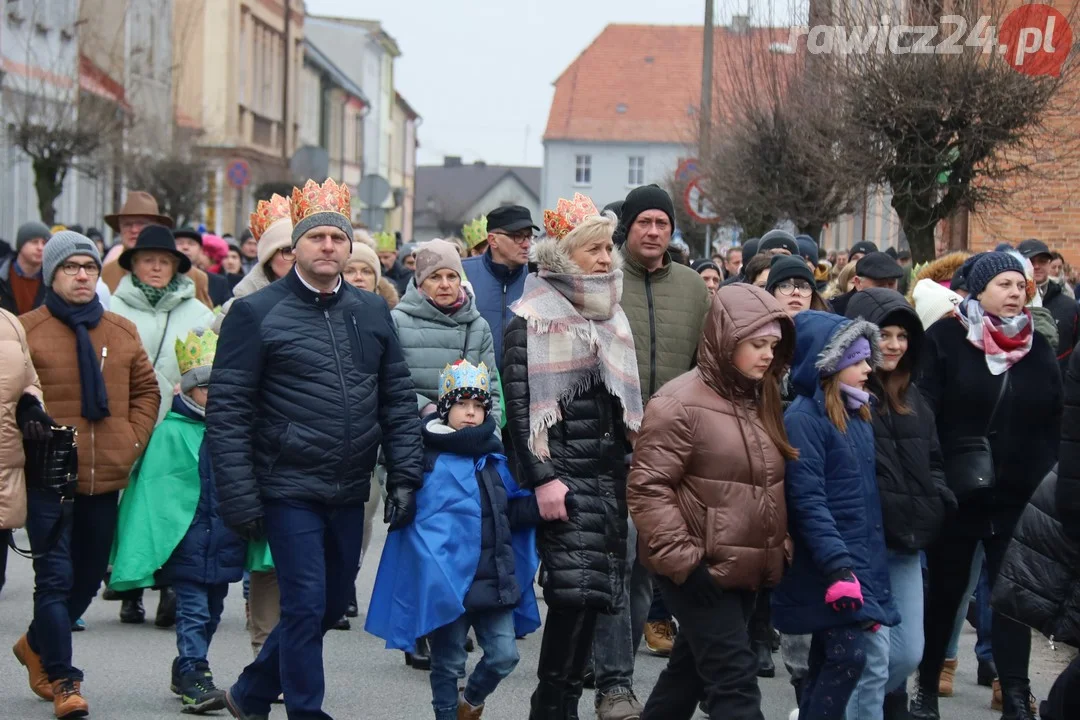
(933, 301)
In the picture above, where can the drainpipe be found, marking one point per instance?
(286, 121)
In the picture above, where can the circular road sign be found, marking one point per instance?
(238, 173)
(687, 170)
(697, 205)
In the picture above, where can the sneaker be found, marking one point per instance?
(78, 626)
(174, 679)
(68, 701)
(198, 694)
(39, 680)
(618, 704)
(236, 712)
(660, 637)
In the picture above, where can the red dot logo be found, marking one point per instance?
(1035, 39)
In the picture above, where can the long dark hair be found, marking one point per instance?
(895, 383)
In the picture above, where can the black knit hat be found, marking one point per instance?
(788, 267)
(864, 247)
(749, 250)
(987, 267)
(646, 197)
(778, 240)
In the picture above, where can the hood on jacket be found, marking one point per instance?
(736, 312)
(133, 296)
(550, 255)
(388, 292)
(415, 304)
(820, 341)
(941, 270)
(887, 307)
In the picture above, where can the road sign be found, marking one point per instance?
(697, 205)
(373, 190)
(238, 173)
(687, 170)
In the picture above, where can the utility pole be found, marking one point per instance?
(705, 129)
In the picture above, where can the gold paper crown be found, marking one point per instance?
(196, 350)
(316, 198)
(567, 215)
(385, 242)
(475, 232)
(267, 213)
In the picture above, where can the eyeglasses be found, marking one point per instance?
(786, 287)
(520, 238)
(287, 253)
(91, 269)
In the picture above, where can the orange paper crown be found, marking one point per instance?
(267, 213)
(316, 198)
(567, 215)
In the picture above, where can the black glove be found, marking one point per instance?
(252, 530)
(32, 419)
(400, 507)
(701, 588)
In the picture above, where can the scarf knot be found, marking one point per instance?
(577, 335)
(152, 294)
(81, 319)
(1004, 341)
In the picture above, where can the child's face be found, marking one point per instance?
(199, 394)
(856, 375)
(467, 412)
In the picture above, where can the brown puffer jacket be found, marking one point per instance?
(707, 482)
(109, 447)
(17, 376)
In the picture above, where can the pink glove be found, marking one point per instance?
(845, 593)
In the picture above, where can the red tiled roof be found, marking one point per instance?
(651, 72)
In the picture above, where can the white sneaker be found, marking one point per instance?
(794, 714)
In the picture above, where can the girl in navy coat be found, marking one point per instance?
(837, 588)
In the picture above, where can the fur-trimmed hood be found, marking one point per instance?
(549, 254)
(820, 341)
(941, 270)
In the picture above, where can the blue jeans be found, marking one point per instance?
(316, 551)
(905, 639)
(867, 699)
(198, 612)
(495, 634)
(979, 585)
(618, 636)
(837, 658)
(67, 578)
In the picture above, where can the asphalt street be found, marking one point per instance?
(127, 667)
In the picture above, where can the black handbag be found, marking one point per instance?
(969, 462)
(52, 465)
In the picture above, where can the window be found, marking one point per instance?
(583, 170)
(636, 172)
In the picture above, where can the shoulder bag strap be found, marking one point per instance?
(997, 404)
(164, 333)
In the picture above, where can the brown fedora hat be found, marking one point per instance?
(141, 204)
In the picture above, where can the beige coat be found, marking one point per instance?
(17, 376)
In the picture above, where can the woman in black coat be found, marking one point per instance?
(571, 392)
(990, 381)
(910, 475)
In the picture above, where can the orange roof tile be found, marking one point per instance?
(652, 73)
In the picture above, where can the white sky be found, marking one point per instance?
(480, 72)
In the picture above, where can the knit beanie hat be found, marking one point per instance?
(856, 352)
(778, 240)
(60, 247)
(749, 250)
(987, 266)
(769, 328)
(646, 197)
(362, 252)
(787, 267)
(460, 381)
(29, 231)
(808, 249)
(436, 255)
(933, 301)
(700, 266)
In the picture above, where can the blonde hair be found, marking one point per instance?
(842, 284)
(594, 227)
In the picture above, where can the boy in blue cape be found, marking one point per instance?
(469, 557)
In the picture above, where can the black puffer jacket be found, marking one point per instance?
(1068, 487)
(1066, 315)
(583, 557)
(303, 392)
(910, 466)
(494, 585)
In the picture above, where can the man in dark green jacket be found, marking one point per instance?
(666, 304)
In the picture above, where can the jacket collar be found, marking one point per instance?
(471, 442)
(632, 266)
(415, 304)
(309, 296)
(501, 272)
(134, 297)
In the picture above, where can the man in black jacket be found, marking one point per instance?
(1064, 308)
(308, 381)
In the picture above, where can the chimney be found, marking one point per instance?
(740, 24)
(480, 163)
(451, 161)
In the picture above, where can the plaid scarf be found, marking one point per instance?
(152, 294)
(1004, 341)
(577, 335)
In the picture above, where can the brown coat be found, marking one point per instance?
(112, 273)
(109, 447)
(707, 482)
(17, 376)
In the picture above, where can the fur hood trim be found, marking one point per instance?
(830, 356)
(549, 254)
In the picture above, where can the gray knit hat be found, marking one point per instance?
(29, 231)
(322, 218)
(60, 247)
(987, 267)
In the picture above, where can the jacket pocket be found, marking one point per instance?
(712, 517)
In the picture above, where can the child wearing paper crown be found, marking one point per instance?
(469, 557)
(837, 588)
(169, 531)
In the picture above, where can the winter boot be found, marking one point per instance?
(660, 637)
(465, 711)
(924, 706)
(166, 609)
(68, 701)
(766, 666)
(896, 705)
(996, 701)
(132, 612)
(546, 702)
(235, 710)
(987, 673)
(420, 657)
(174, 680)
(39, 680)
(342, 624)
(198, 694)
(947, 678)
(352, 610)
(1017, 702)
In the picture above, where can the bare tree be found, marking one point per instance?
(178, 181)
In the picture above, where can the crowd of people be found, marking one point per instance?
(772, 448)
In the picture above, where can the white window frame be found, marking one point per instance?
(583, 170)
(635, 170)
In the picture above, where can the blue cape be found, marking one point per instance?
(427, 568)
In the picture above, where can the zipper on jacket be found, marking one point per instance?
(652, 336)
(93, 438)
(359, 343)
(503, 315)
(344, 398)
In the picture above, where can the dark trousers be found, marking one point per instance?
(837, 659)
(948, 565)
(711, 659)
(564, 650)
(316, 551)
(68, 576)
(658, 611)
(5, 535)
(1063, 703)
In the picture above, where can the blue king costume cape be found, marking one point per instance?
(427, 568)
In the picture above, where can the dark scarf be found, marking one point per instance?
(81, 319)
(152, 294)
(450, 309)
